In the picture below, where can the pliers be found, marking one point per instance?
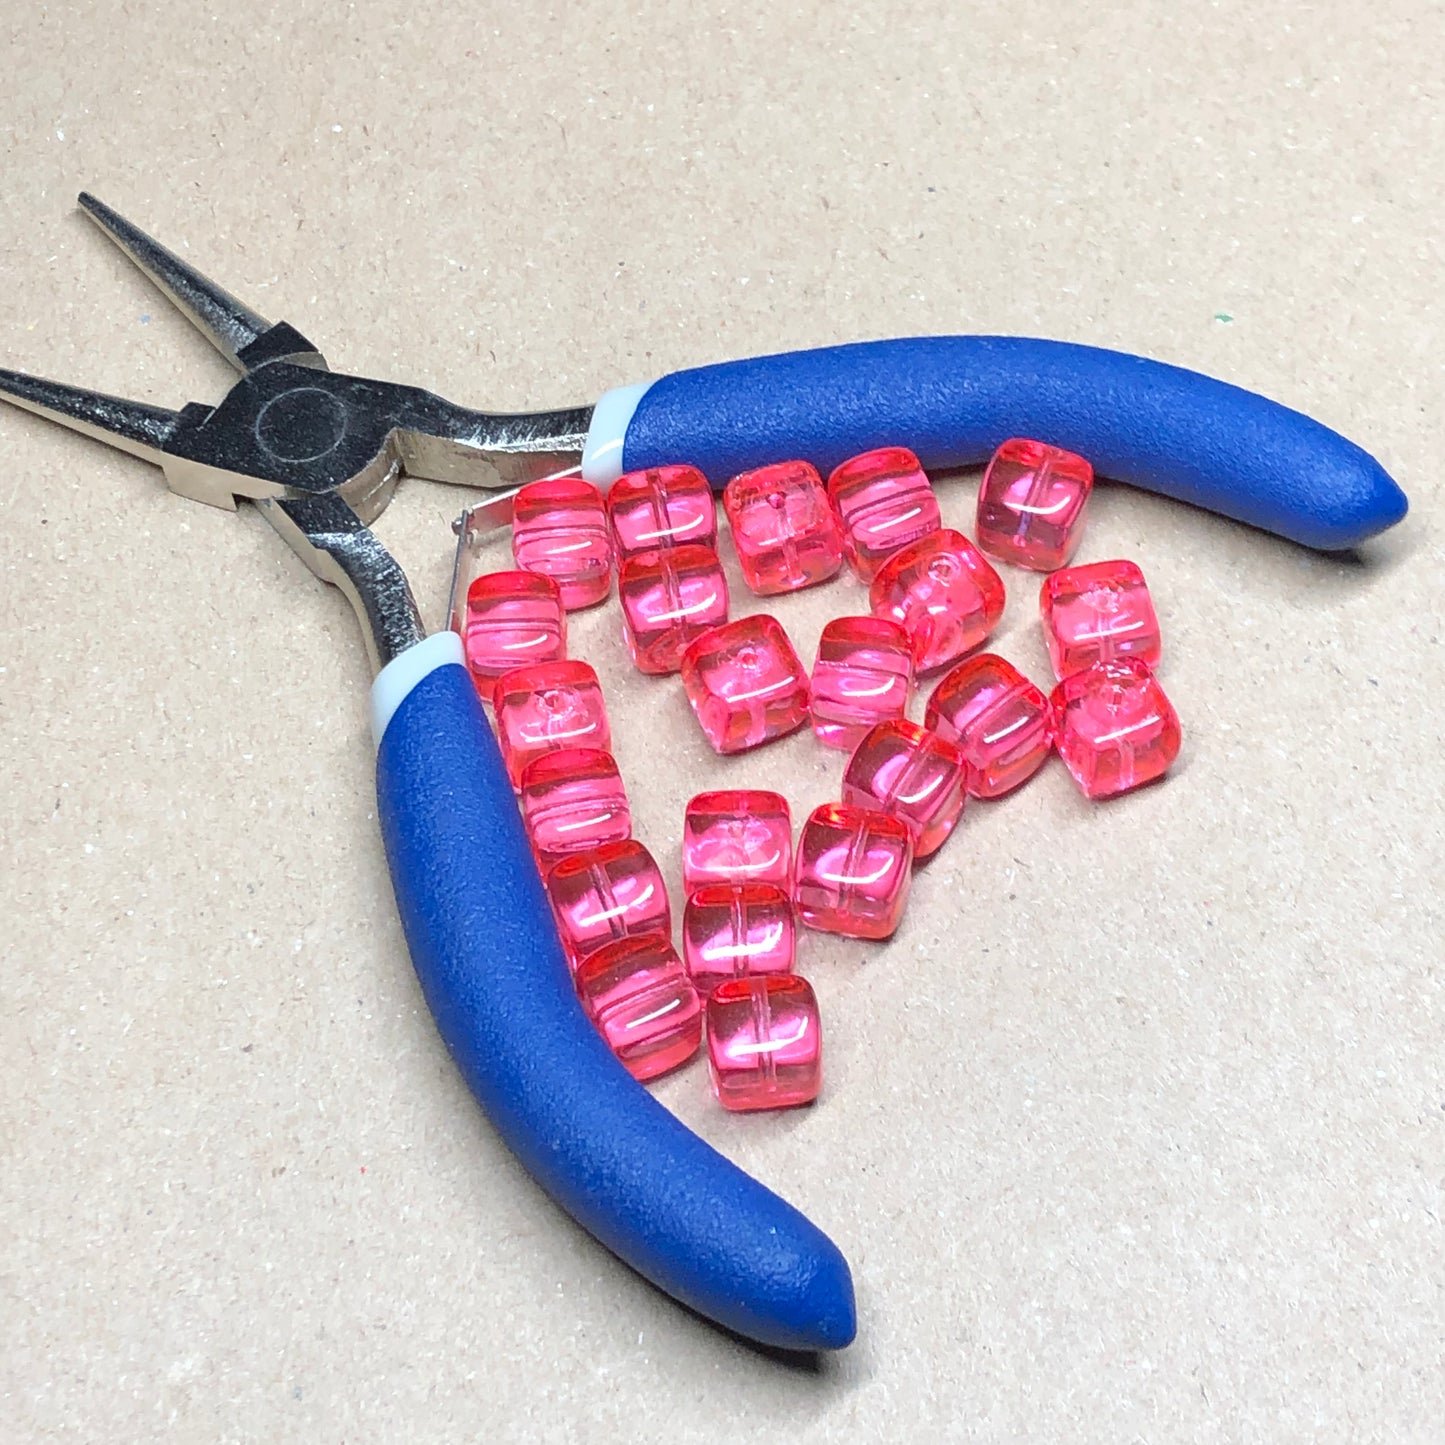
(321, 454)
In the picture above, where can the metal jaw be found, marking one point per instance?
(320, 452)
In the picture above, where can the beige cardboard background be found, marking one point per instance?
(1136, 1131)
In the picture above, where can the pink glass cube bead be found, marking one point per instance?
(737, 835)
(669, 598)
(944, 595)
(1031, 504)
(639, 995)
(573, 800)
(610, 892)
(661, 507)
(546, 706)
(512, 618)
(911, 774)
(559, 528)
(745, 683)
(734, 930)
(885, 501)
(1099, 612)
(1114, 727)
(764, 1044)
(785, 532)
(862, 676)
(853, 871)
(996, 718)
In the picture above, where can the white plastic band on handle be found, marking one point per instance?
(396, 680)
(602, 455)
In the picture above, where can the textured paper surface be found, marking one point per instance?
(1136, 1131)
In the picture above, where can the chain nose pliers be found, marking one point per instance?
(321, 454)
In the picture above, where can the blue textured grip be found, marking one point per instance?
(485, 948)
(953, 399)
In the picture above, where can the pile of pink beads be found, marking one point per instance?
(933, 597)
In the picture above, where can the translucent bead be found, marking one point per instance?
(734, 930)
(785, 532)
(639, 995)
(1099, 612)
(572, 801)
(853, 871)
(764, 1044)
(670, 597)
(996, 718)
(911, 774)
(559, 528)
(885, 502)
(1031, 504)
(1114, 727)
(611, 892)
(737, 835)
(862, 676)
(661, 507)
(546, 706)
(745, 683)
(512, 618)
(944, 595)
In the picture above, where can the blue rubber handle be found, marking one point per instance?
(486, 951)
(953, 399)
